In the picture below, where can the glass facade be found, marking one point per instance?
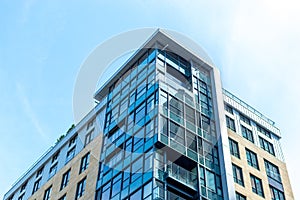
(160, 135)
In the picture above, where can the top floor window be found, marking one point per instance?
(72, 140)
(40, 171)
(55, 157)
(229, 109)
(245, 119)
(263, 131)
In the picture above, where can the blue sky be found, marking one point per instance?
(255, 44)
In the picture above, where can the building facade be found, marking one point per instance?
(163, 128)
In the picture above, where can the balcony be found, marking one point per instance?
(182, 175)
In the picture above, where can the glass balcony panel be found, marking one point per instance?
(184, 176)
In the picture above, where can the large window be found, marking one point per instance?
(80, 188)
(272, 171)
(238, 175)
(266, 145)
(176, 133)
(84, 162)
(116, 185)
(247, 134)
(252, 159)
(176, 106)
(65, 179)
(190, 114)
(47, 193)
(234, 148)
(191, 141)
(256, 184)
(230, 123)
(276, 194)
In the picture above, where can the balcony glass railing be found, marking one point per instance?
(184, 176)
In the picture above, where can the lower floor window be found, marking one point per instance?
(80, 188)
(256, 184)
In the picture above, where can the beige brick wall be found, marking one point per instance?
(261, 173)
(91, 173)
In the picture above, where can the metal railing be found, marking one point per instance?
(248, 107)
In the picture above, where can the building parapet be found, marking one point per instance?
(248, 110)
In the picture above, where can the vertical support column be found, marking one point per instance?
(223, 143)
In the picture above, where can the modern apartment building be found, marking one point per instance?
(163, 128)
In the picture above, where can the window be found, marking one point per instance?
(40, 171)
(21, 197)
(263, 131)
(191, 141)
(210, 180)
(70, 154)
(176, 133)
(163, 101)
(65, 179)
(245, 119)
(150, 103)
(256, 184)
(147, 191)
(228, 109)
(64, 197)
(205, 123)
(47, 193)
(90, 124)
(266, 145)
(137, 169)
(72, 140)
(237, 175)
(88, 138)
(80, 188)
(247, 134)
(276, 194)
(176, 106)
(84, 162)
(55, 157)
(234, 148)
(53, 170)
(123, 106)
(105, 191)
(126, 178)
(23, 187)
(141, 89)
(190, 114)
(272, 171)
(10, 197)
(230, 123)
(239, 196)
(116, 185)
(252, 159)
(140, 113)
(137, 195)
(36, 185)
